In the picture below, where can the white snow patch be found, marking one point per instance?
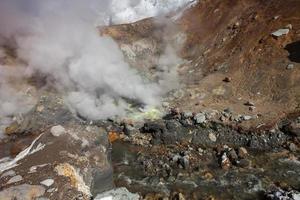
(10, 163)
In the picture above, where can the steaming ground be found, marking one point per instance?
(59, 40)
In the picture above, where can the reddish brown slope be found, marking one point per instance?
(232, 38)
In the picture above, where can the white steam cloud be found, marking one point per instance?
(59, 39)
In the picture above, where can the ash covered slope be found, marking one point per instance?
(234, 57)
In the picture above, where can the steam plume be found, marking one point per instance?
(59, 39)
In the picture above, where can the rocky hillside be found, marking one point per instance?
(237, 52)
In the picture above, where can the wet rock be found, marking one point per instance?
(242, 152)
(22, 192)
(15, 179)
(57, 131)
(280, 32)
(200, 118)
(47, 182)
(117, 194)
(212, 137)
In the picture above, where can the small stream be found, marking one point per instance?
(203, 178)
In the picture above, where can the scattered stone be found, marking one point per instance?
(276, 17)
(176, 158)
(289, 26)
(290, 66)
(184, 162)
(222, 118)
(280, 194)
(225, 162)
(24, 192)
(227, 79)
(51, 190)
(15, 179)
(57, 131)
(228, 110)
(292, 147)
(40, 108)
(244, 163)
(242, 152)
(117, 194)
(130, 130)
(200, 118)
(47, 182)
(187, 115)
(200, 150)
(280, 32)
(232, 155)
(246, 117)
(212, 137)
(33, 169)
(236, 25)
(252, 108)
(249, 103)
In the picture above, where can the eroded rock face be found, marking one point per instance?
(67, 157)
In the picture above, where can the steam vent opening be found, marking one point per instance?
(149, 99)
